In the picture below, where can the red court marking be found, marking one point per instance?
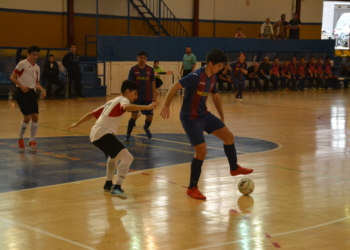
(267, 235)
(101, 164)
(184, 187)
(234, 211)
(172, 182)
(74, 159)
(276, 245)
(47, 153)
(131, 170)
(2, 143)
(63, 156)
(14, 146)
(88, 161)
(144, 174)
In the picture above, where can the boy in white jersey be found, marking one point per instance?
(103, 134)
(26, 76)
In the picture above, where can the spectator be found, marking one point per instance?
(253, 76)
(223, 76)
(294, 26)
(266, 30)
(239, 34)
(275, 73)
(345, 70)
(319, 73)
(285, 75)
(189, 62)
(71, 62)
(293, 68)
(239, 69)
(311, 72)
(285, 24)
(331, 80)
(265, 72)
(301, 73)
(278, 30)
(51, 72)
(157, 72)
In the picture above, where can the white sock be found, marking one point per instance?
(124, 165)
(22, 129)
(112, 165)
(33, 129)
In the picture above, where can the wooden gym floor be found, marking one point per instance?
(297, 143)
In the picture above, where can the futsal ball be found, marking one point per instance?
(246, 186)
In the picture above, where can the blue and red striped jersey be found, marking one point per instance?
(236, 69)
(144, 78)
(197, 87)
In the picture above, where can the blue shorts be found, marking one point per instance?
(144, 112)
(194, 128)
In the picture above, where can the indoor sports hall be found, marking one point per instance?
(296, 140)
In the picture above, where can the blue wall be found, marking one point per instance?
(125, 48)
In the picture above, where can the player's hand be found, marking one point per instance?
(74, 125)
(165, 113)
(153, 105)
(24, 89)
(43, 94)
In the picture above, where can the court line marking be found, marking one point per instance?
(47, 233)
(272, 235)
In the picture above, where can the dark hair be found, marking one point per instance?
(241, 53)
(276, 58)
(128, 85)
(302, 57)
(320, 58)
(142, 53)
(216, 56)
(188, 46)
(239, 28)
(294, 57)
(328, 58)
(51, 55)
(72, 45)
(312, 57)
(33, 49)
(283, 15)
(155, 61)
(22, 57)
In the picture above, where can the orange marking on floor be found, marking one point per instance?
(101, 164)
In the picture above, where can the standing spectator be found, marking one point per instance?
(319, 73)
(266, 30)
(294, 26)
(285, 24)
(239, 69)
(71, 62)
(331, 80)
(27, 78)
(51, 72)
(189, 62)
(223, 76)
(253, 76)
(239, 34)
(265, 72)
(311, 72)
(143, 75)
(301, 73)
(285, 75)
(275, 73)
(278, 30)
(293, 68)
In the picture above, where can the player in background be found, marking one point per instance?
(285, 75)
(239, 69)
(26, 76)
(319, 73)
(275, 73)
(143, 76)
(310, 72)
(196, 118)
(331, 80)
(103, 135)
(301, 74)
(293, 68)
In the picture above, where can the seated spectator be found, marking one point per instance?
(223, 76)
(331, 80)
(278, 30)
(301, 73)
(293, 68)
(51, 72)
(253, 76)
(239, 69)
(265, 72)
(266, 30)
(345, 70)
(285, 75)
(319, 73)
(310, 72)
(275, 73)
(239, 34)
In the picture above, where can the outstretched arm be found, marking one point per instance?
(218, 106)
(169, 97)
(85, 118)
(133, 107)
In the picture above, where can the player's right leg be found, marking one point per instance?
(24, 103)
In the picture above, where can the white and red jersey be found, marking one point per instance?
(27, 74)
(108, 118)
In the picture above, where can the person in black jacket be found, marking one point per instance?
(51, 72)
(71, 62)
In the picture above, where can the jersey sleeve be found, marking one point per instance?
(19, 69)
(97, 112)
(131, 76)
(123, 103)
(189, 80)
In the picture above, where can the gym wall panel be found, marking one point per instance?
(35, 5)
(181, 8)
(105, 7)
(311, 11)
